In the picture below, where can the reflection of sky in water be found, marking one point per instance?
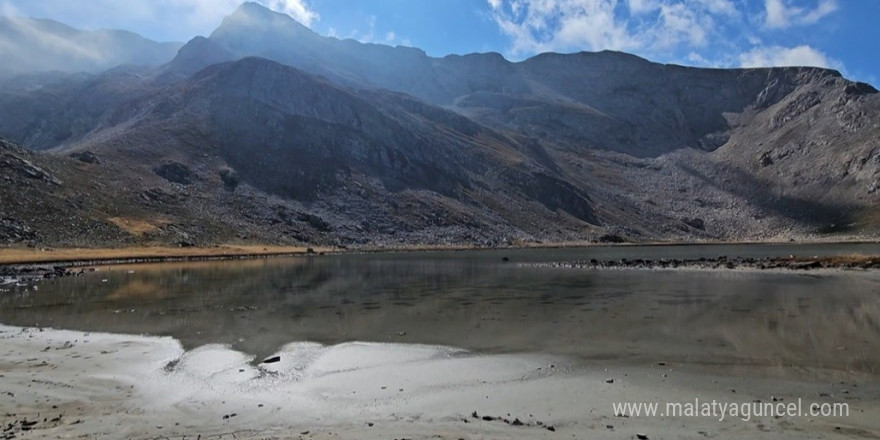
(472, 300)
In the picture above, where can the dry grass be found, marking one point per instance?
(27, 255)
(134, 226)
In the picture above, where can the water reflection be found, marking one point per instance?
(474, 301)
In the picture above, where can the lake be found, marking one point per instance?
(780, 323)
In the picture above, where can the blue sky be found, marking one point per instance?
(840, 34)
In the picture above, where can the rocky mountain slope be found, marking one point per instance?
(265, 131)
(30, 45)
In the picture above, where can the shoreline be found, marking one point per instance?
(81, 257)
(791, 263)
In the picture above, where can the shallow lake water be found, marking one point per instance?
(788, 322)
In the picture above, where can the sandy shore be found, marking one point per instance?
(65, 384)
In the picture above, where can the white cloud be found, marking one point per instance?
(552, 25)
(721, 7)
(778, 56)
(564, 25)
(370, 35)
(680, 23)
(711, 33)
(637, 7)
(779, 14)
(298, 9)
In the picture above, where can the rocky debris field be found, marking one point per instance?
(790, 263)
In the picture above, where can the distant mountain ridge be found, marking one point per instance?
(279, 134)
(31, 45)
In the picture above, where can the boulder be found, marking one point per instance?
(86, 156)
(175, 172)
(230, 178)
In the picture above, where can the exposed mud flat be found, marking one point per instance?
(66, 384)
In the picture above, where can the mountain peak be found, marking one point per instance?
(253, 13)
(253, 21)
(254, 9)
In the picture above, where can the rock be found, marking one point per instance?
(272, 360)
(12, 231)
(611, 238)
(175, 172)
(25, 168)
(805, 265)
(86, 156)
(696, 223)
(859, 88)
(313, 221)
(641, 436)
(230, 178)
(157, 195)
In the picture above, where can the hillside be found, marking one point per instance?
(266, 131)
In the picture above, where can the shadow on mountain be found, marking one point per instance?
(825, 218)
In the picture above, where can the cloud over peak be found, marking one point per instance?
(780, 14)
(778, 56)
(717, 33)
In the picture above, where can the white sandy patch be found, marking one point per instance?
(119, 386)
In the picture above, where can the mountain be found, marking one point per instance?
(266, 131)
(30, 45)
(274, 148)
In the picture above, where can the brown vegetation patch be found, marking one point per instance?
(29, 255)
(134, 226)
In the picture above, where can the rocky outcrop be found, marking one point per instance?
(86, 157)
(13, 232)
(16, 162)
(175, 172)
